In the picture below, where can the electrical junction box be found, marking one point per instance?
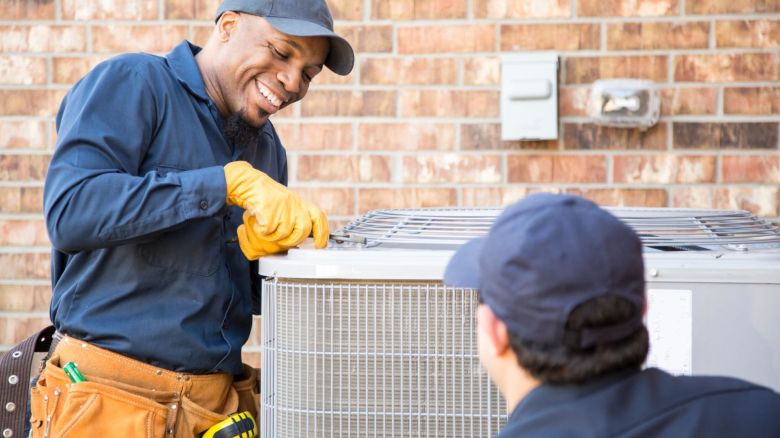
(529, 96)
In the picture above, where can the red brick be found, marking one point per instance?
(663, 169)
(252, 358)
(200, 34)
(333, 201)
(109, 10)
(493, 196)
(761, 201)
(374, 199)
(348, 103)
(22, 70)
(624, 197)
(351, 168)
(23, 134)
(731, 6)
(402, 71)
(451, 38)
(23, 232)
(189, 9)
(346, 9)
(27, 10)
(557, 168)
(752, 100)
(626, 8)
(653, 36)
(573, 101)
(26, 102)
(24, 298)
(589, 136)
(549, 37)
(745, 33)
(21, 199)
(70, 70)
(727, 67)
(16, 329)
(484, 70)
(23, 167)
(25, 266)
(761, 135)
(487, 136)
(315, 136)
(522, 8)
(586, 70)
(764, 169)
(457, 168)
(370, 38)
(43, 38)
(417, 9)
(446, 103)
(406, 136)
(693, 101)
(131, 38)
(327, 77)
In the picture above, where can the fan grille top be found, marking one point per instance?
(659, 229)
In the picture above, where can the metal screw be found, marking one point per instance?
(13, 379)
(10, 406)
(173, 407)
(158, 372)
(654, 272)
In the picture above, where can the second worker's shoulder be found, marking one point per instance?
(142, 64)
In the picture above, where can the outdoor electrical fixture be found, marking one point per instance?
(624, 103)
(529, 96)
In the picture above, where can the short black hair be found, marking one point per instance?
(561, 364)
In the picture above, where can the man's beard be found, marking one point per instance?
(239, 132)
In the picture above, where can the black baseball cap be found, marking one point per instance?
(305, 18)
(546, 255)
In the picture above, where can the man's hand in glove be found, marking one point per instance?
(275, 218)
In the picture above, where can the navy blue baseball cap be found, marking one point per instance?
(546, 255)
(305, 18)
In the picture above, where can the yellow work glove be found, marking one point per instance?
(281, 216)
(255, 245)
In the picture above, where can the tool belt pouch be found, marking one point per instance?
(94, 408)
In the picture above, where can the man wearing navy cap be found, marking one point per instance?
(167, 180)
(562, 290)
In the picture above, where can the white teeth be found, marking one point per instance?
(270, 96)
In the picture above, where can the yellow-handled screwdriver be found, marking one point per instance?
(239, 425)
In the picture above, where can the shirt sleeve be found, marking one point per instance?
(94, 194)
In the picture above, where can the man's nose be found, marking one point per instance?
(291, 79)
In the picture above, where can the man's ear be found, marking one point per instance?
(227, 25)
(494, 329)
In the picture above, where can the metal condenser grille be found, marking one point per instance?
(364, 359)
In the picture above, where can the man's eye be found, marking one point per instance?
(277, 53)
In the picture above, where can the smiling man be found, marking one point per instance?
(167, 183)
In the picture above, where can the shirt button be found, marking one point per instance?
(204, 205)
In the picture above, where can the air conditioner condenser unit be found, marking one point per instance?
(363, 339)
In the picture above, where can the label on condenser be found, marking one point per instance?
(669, 321)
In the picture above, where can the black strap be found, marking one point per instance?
(15, 366)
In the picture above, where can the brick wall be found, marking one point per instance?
(416, 124)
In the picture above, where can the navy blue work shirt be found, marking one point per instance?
(145, 260)
(650, 403)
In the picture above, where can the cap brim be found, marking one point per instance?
(341, 57)
(463, 268)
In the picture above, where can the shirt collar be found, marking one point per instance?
(182, 62)
(549, 396)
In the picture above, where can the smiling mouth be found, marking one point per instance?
(274, 99)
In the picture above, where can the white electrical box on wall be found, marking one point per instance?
(529, 96)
